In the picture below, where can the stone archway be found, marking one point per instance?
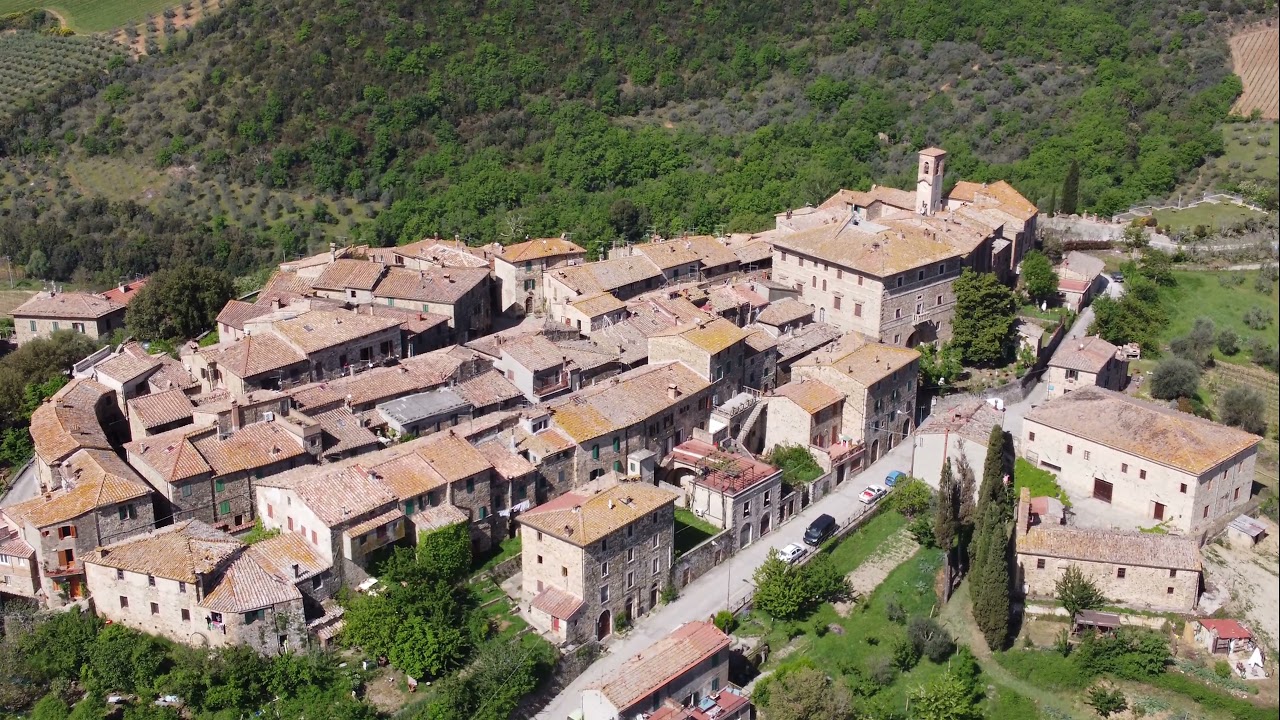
(875, 450)
(604, 625)
(745, 538)
(924, 333)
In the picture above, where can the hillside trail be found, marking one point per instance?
(957, 617)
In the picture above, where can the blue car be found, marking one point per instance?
(892, 478)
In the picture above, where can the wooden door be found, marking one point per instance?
(1159, 511)
(1102, 490)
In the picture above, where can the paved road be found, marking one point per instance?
(724, 585)
(24, 487)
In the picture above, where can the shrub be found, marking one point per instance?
(726, 621)
(930, 639)
(911, 497)
(1222, 669)
(1107, 702)
(905, 654)
(895, 612)
(1245, 408)
(1228, 341)
(1263, 353)
(1175, 378)
(1078, 592)
(881, 670)
(1258, 318)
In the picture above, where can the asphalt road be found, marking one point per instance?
(24, 487)
(725, 585)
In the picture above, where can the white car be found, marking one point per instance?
(792, 553)
(872, 495)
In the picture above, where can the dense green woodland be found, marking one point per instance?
(500, 119)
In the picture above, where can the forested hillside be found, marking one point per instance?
(281, 122)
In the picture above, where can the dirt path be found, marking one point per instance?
(867, 577)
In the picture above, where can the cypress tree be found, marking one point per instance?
(1053, 202)
(968, 492)
(993, 489)
(946, 518)
(990, 581)
(1071, 189)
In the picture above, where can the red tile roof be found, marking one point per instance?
(1227, 629)
(124, 292)
(557, 603)
(662, 662)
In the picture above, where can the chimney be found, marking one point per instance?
(673, 391)
(237, 415)
(333, 251)
(1080, 346)
(275, 303)
(610, 503)
(297, 570)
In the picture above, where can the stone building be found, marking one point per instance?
(424, 413)
(689, 667)
(732, 491)
(590, 313)
(99, 500)
(624, 278)
(810, 414)
(349, 280)
(1079, 279)
(535, 365)
(198, 586)
(127, 372)
(1153, 462)
(655, 407)
(879, 384)
(1146, 570)
(461, 294)
(883, 262)
(784, 315)
(160, 412)
(958, 429)
(1085, 362)
(716, 349)
(433, 253)
(520, 267)
(451, 366)
(83, 414)
(675, 258)
(590, 559)
(47, 312)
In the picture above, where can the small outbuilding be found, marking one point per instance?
(1245, 531)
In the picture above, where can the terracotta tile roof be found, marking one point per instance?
(598, 304)
(442, 253)
(160, 408)
(126, 366)
(754, 251)
(964, 191)
(252, 446)
(335, 495)
(182, 551)
(171, 375)
(540, 248)
(378, 384)
(969, 417)
(607, 275)
(1001, 195)
(862, 359)
(786, 310)
(661, 663)
(374, 523)
(349, 275)
(901, 199)
(811, 395)
(284, 285)
(440, 516)
(344, 432)
(581, 519)
(1080, 266)
(125, 292)
(95, 478)
(489, 388)
(1107, 546)
(505, 462)
(411, 321)
(444, 286)
(710, 251)
(1088, 354)
(172, 454)
(557, 603)
(322, 329)
(587, 355)
(760, 341)
(711, 337)
(68, 305)
(534, 352)
(799, 341)
(236, 312)
(635, 397)
(247, 585)
(1143, 429)
(280, 553)
(452, 457)
(898, 247)
(68, 421)
(1226, 629)
(667, 254)
(544, 443)
(254, 355)
(12, 544)
(408, 476)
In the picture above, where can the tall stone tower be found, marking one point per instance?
(929, 180)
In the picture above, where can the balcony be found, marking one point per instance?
(547, 386)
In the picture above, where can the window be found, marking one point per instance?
(33, 326)
(836, 302)
(784, 259)
(1168, 590)
(317, 582)
(657, 541)
(896, 338)
(1124, 467)
(942, 267)
(219, 486)
(1120, 573)
(604, 545)
(920, 275)
(539, 536)
(186, 615)
(939, 300)
(182, 587)
(631, 531)
(631, 554)
(253, 616)
(68, 531)
(1031, 436)
(1069, 449)
(155, 608)
(595, 452)
(1236, 496)
(539, 559)
(631, 580)
(824, 284)
(815, 281)
(604, 594)
(151, 580)
(1040, 564)
(224, 507)
(271, 511)
(128, 512)
(528, 285)
(1173, 573)
(471, 485)
(897, 313)
(1142, 475)
(859, 280)
(839, 273)
(899, 283)
(564, 571)
(657, 566)
(1181, 488)
(617, 466)
(604, 569)
(1086, 454)
(186, 491)
(1205, 514)
(484, 512)
(55, 326)
(746, 509)
(124, 602)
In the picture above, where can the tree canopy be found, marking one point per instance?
(179, 303)
(983, 329)
(1038, 277)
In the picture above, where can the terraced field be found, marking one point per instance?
(1255, 54)
(34, 64)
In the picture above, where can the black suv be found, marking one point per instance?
(819, 530)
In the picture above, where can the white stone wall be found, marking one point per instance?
(1147, 587)
(26, 329)
(167, 598)
(281, 508)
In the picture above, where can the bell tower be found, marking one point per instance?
(929, 180)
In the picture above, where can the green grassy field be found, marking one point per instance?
(691, 531)
(1212, 215)
(1202, 294)
(88, 16)
(1243, 147)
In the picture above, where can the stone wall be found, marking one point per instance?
(699, 560)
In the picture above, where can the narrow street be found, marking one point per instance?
(726, 585)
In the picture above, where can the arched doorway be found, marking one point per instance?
(764, 524)
(528, 305)
(925, 332)
(604, 625)
(906, 428)
(744, 539)
(875, 450)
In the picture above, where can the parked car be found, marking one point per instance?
(893, 477)
(872, 495)
(1117, 277)
(819, 530)
(792, 553)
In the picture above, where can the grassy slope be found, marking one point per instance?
(1200, 294)
(1212, 215)
(88, 16)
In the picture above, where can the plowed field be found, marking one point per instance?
(1255, 54)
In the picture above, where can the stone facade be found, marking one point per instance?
(1060, 380)
(28, 328)
(878, 412)
(521, 280)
